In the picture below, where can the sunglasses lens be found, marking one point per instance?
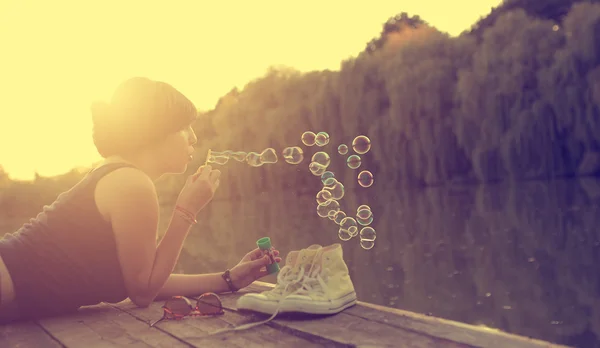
(178, 307)
(209, 304)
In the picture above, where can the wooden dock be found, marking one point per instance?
(364, 325)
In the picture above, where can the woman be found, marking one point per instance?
(98, 241)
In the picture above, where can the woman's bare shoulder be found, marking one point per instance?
(122, 184)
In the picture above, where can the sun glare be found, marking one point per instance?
(65, 54)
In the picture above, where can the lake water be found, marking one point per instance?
(520, 257)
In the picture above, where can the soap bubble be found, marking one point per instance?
(365, 178)
(342, 149)
(323, 196)
(368, 233)
(337, 190)
(349, 224)
(324, 209)
(268, 155)
(293, 155)
(239, 156)
(339, 216)
(331, 216)
(367, 244)
(326, 176)
(353, 161)
(361, 144)
(364, 213)
(364, 222)
(348, 228)
(329, 182)
(308, 138)
(218, 159)
(344, 235)
(316, 169)
(322, 139)
(253, 159)
(321, 158)
(364, 216)
(363, 207)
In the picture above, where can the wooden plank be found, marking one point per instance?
(197, 330)
(348, 329)
(436, 327)
(26, 335)
(105, 326)
(455, 331)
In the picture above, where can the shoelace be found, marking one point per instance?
(309, 281)
(314, 283)
(287, 277)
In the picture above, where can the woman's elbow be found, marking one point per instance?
(141, 296)
(140, 293)
(141, 301)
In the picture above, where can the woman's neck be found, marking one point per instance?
(140, 162)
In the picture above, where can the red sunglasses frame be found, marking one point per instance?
(194, 311)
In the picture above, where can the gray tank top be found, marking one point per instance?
(66, 257)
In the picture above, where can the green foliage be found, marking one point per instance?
(21, 200)
(395, 24)
(553, 10)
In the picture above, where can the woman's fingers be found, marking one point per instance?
(254, 254)
(258, 253)
(214, 175)
(204, 172)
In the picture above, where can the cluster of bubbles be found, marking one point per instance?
(328, 206)
(349, 227)
(332, 192)
(310, 138)
(253, 159)
(292, 155)
(321, 160)
(328, 197)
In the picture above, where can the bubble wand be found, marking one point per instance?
(205, 162)
(207, 157)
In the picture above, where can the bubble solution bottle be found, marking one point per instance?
(264, 244)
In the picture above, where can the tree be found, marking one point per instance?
(397, 25)
(4, 178)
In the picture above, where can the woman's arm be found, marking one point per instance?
(250, 268)
(192, 285)
(129, 198)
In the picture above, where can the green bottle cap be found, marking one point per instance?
(265, 244)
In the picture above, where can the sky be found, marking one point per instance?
(58, 56)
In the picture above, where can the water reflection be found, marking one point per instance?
(522, 257)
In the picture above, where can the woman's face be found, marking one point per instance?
(175, 153)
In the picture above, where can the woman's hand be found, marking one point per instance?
(251, 267)
(199, 189)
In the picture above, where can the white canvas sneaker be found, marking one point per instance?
(326, 287)
(288, 280)
(314, 280)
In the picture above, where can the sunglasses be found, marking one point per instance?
(179, 307)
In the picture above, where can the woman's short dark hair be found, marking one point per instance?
(140, 113)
